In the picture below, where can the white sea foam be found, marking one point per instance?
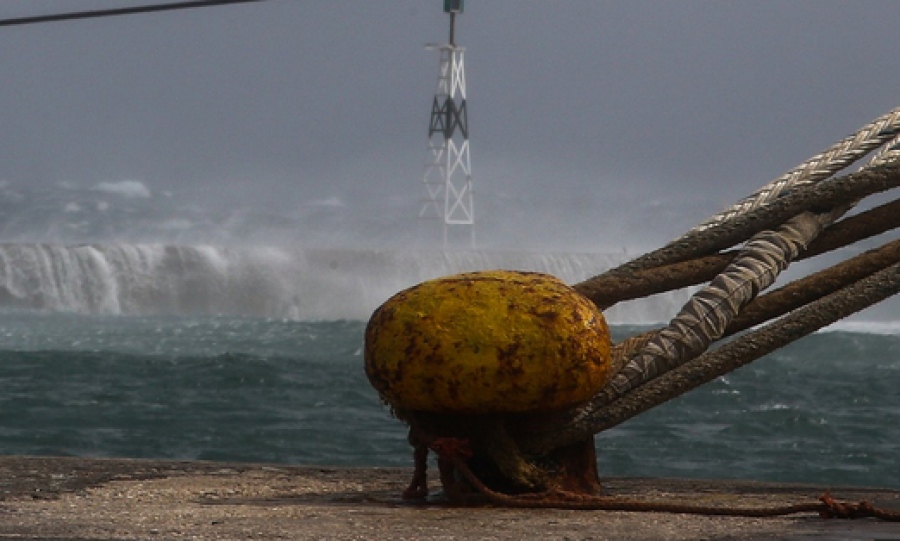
(867, 327)
(130, 189)
(303, 284)
(296, 283)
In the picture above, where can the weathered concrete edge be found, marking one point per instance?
(341, 490)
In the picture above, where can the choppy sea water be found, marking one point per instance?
(825, 409)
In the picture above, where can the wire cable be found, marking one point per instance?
(153, 8)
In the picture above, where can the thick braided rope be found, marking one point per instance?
(819, 167)
(709, 311)
(748, 347)
(886, 154)
(599, 414)
(704, 318)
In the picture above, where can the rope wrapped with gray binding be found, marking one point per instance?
(806, 200)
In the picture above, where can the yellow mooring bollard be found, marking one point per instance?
(487, 342)
(469, 360)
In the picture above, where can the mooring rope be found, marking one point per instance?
(708, 313)
(795, 216)
(704, 318)
(655, 371)
(827, 195)
(815, 286)
(646, 282)
(601, 414)
(454, 452)
(888, 153)
(751, 346)
(820, 167)
(885, 129)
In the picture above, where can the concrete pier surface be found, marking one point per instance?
(45, 498)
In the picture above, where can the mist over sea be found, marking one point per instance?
(175, 344)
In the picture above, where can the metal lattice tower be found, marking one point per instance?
(449, 196)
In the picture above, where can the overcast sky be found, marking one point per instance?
(593, 124)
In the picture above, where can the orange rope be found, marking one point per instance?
(454, 452)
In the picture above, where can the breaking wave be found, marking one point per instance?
(301, 283)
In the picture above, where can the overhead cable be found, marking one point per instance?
(152, 8)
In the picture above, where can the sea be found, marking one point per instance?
(256, 354)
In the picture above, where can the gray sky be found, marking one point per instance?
(594, 124)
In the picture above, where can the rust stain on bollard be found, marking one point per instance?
(487, 342)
